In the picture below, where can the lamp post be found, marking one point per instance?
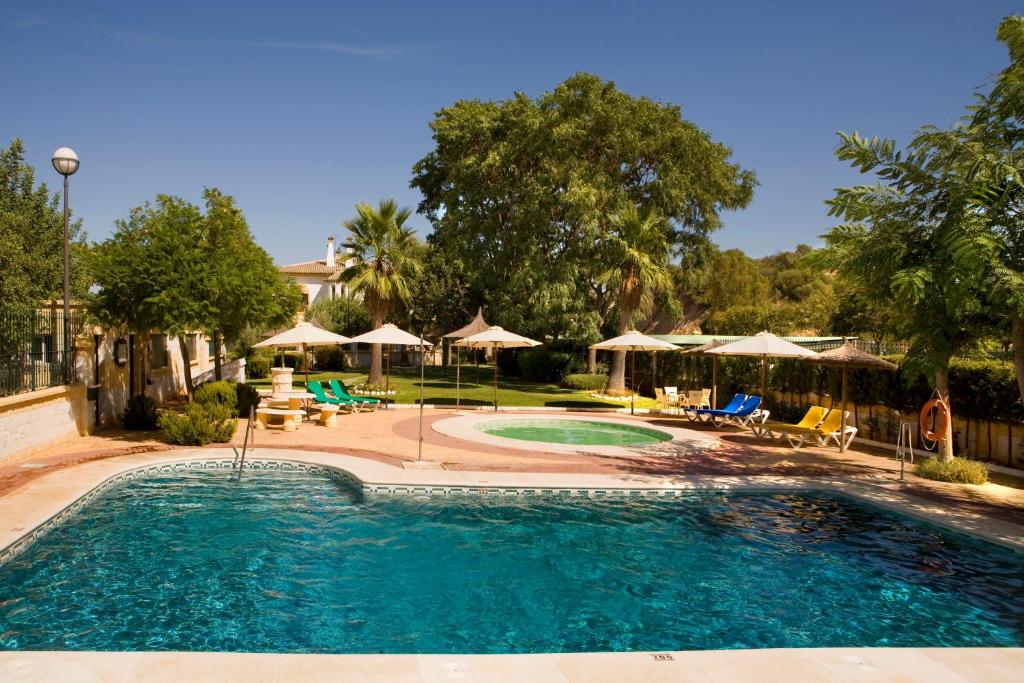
(65, 162)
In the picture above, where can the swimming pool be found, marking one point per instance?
(300, 562)
(575, 432)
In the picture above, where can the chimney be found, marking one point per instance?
(350, 246)
(330, 251)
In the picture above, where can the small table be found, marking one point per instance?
(297, 400)
(288, 418)
(328, 414)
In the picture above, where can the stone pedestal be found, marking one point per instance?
(281, 379)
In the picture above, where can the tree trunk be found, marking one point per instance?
(1017, 339)
(617, 371)
(591, 361)
(187, 362)
(942, 386)
(217, 372)
(376, 356)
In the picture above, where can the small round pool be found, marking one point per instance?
(574, 432)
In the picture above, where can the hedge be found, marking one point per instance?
(584, 382)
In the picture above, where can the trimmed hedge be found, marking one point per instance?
(329, 358)
(584, 382)
(543, 365)
(957, 470)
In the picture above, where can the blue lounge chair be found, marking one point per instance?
(748, 412)
(732, 406)
(339, 390)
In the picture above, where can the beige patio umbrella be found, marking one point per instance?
(391, 335)
(702, 350)
(475, 326)
(765, 345)
(634, 341)
(496, 338)
(304, 334)
(849, 356)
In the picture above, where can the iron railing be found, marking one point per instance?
(33, 351)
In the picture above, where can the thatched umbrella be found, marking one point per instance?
(475, 326)
(634, 341)
(701, 351)
(849, 356)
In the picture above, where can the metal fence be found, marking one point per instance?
(33, 351)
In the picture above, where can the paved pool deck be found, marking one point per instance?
(382, 447)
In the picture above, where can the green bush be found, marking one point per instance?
(257, 366)
(543, 365)
(246, 397)
(200, 424)
(221, 392)
(957, 470)
(329, 358)
(140, 413)
(584, 382)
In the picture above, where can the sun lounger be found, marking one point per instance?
(317, 390)
(812, 419)
(832, 428)
(339, 390)
(732, 406)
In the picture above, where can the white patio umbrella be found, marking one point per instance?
(702, 349)
(392, 335)
(496, 338)
(634, 341)
(765, 345)
(304, 334)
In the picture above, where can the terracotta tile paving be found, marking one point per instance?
(390, 436)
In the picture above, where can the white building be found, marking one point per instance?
(321, 279)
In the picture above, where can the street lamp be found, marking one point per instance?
(65, 161)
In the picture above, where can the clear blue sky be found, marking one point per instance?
(300, 110)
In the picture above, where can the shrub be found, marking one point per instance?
(584, 382)
(329, 358)
(200, 424)
(957, 470)
(257, 366)
(543, 365)
(221, 393)
(140, 413)
(246, 397)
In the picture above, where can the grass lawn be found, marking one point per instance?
(439, 389)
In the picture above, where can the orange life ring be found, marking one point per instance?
(939, 405)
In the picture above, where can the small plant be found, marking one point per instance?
(246, 397)
(199, 424)
(221, 392)
(585, 382)
(957, 470)
(140, 413)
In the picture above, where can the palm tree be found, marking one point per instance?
(636, 257)
(387, 260)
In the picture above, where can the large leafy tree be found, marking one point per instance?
(32, 237)
(387, 261)
(636, 254)
(523, 192)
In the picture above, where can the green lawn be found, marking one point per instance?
(439, 389)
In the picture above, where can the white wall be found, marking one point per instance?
(41, 419)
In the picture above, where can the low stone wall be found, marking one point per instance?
(41, 419)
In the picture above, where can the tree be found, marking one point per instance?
(341, 316)
(245, 289)
(386, 264)
(737, 280)
(636, 254)
(32, 238)
(523, 191)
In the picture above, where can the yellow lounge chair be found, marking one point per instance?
(832, 428)
(813, 418)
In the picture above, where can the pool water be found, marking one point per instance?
(298, 562)
(575, 432)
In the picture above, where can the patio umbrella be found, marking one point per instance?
(304, 334)
(390, 335)
(496, 338)
(765, 345)
(475, 326)
(849, 356)
(702, 350)
(634, 341)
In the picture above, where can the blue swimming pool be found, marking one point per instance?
(299, 562)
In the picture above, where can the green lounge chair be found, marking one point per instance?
(341, 391)
(317, 390)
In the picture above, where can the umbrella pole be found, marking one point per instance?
(305, 365)
(842, 433)
(714, 382)
(495, 379)
(419, 447)
(387, 377)
(632, 393)
(764, 373)
(458, 367)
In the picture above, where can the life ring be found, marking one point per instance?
(938, 405)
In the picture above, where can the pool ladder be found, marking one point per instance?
(250, 438)
(905, 445)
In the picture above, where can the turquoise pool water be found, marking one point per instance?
(576, 432)
(297, 562)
